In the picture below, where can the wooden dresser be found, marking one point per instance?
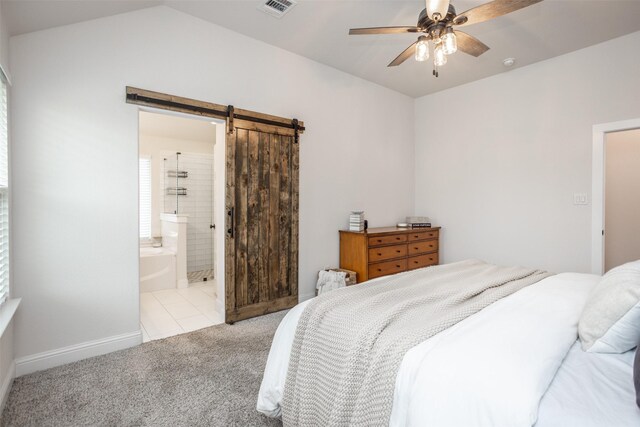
(382, 251)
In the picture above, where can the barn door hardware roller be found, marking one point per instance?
(231, 222)
(230, 118)
(296, 130)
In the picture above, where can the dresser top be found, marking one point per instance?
(390, 230)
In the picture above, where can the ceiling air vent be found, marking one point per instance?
(277, 8)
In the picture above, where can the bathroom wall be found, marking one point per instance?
(159, 148)
(197, 205)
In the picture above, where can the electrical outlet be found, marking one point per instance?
(580, 199)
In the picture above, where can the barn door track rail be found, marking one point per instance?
(208, 109)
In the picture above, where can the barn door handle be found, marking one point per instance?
(231, 224)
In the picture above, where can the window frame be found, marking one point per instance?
(149, 237)
(5, 85)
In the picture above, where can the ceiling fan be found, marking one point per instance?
(436, 23)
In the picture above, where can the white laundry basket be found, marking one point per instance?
(334, 278)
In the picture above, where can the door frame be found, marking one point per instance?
(597, 187)
(227, 114)
(219, 186)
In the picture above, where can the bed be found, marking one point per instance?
(514, 363)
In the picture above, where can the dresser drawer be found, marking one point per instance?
(422, 261)
(387, 252)
(388, 267)
(387, 240)
(423, 235)
(423, 247)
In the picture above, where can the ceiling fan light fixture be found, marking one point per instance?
(437, 9)
(422, 49)
(439, 57)
(449, 42)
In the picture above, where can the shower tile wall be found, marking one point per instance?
(198, 205)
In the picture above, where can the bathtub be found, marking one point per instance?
(157, 269)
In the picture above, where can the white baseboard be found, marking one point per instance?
(6, 385)
(49, 359)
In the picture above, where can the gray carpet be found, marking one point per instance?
(208, 377)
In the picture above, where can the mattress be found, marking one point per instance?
(491, 369)
(591, 390)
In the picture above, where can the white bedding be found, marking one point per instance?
(491, 369)
(591, 390)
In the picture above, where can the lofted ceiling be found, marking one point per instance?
(317, 29)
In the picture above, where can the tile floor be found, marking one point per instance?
(176, 311)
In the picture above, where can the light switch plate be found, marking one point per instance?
(580, 199)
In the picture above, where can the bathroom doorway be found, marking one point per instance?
(178, 291)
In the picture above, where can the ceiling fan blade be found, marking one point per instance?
(408, 52)
(383, 30)
(491, 10)
(469, 44)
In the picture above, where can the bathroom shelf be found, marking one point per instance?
(177, 191)
(178, 174)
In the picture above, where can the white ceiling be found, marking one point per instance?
(175, 127)
(318, 30)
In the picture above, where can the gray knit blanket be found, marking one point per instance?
(350, 342)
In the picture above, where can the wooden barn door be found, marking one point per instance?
(261, 244)
(262, 220)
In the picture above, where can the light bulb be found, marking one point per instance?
(422, 49)
(439, 57)
(437, 9)
(449, 43)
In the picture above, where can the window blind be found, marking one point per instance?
(145, 197)
(4, 192)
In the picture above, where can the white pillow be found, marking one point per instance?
(610, 321)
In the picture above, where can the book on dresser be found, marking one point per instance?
(382, 251)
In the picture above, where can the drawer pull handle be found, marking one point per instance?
(398, 250)
(415, 249)
(379, 269)
(397, 266)
(379, 254)
(415, 262)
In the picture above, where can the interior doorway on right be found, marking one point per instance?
(622, 198)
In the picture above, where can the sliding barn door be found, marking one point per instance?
(262, 220)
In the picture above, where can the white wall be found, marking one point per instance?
(7, 367)
(622, 198)
(4, 41)
(75, 157)
(498, 160)
(157, 147)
